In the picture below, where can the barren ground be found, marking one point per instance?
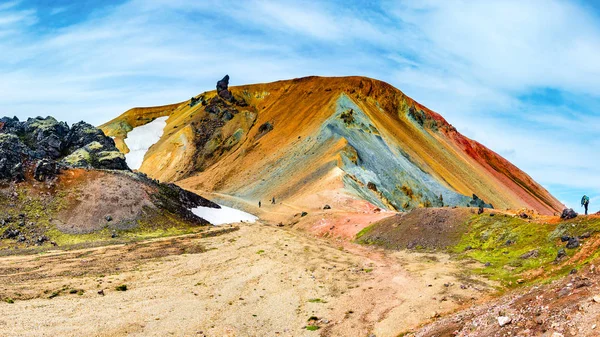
(258, 281)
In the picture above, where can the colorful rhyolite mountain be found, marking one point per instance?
(312, 141)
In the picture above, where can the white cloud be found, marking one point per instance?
(471, 61)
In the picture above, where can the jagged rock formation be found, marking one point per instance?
(320, 140)
(46, 144)
(61, 179)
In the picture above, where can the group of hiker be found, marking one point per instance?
(272, 202)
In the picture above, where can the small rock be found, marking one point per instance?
(561, 253)
(487, 264)
(108, 218)
(101, 292)
(565, 238)
(327, 207)
(585, 235)
(568, 213)
(573, 271)
(597, 299)
(573, 243)
(303, 214)
(504, 320)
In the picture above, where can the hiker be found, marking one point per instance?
(273, 201)
(585, 201)
(259, 204)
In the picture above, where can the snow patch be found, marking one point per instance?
(224, 215)
(140, 139)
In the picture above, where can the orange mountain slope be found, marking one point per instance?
(344, 141)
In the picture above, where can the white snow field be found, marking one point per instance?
(140, 139)
(222, 216)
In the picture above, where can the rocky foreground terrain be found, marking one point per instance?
(57, 181)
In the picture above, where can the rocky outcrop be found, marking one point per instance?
(223, 89)
(46, 145)
(12, 154)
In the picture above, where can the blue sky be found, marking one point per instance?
(521, 77)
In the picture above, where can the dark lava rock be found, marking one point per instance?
(568, 213)
(47, 137)
(222, 89)
(227, 115)
(44, 141)
(565, 238)
(372, 186)
(82, 134)
(327, 207)
(509, 242)
(573, 271)
(108, 218)
(303, 214)
(561, 254)
(488, 264)
(573, 243)
(41, 239)
(10, 233)
(476, 202)
(265, 128)
(45, 169)
(13, 153)
(195, 101)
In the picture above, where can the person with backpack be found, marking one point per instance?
(585, 201)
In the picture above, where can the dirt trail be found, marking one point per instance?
(257, 281)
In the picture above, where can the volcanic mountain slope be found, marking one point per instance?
(57, 182)
(345, 141)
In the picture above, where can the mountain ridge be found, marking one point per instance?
(259, 127)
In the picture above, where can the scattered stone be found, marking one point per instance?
(487, 264)
(573, 243)
(596, 299)
(561, 254)
(303, 214)
(101, 292)
(108, 218)
(504, 320)
(565, 238)
(573, 271)
(327, 207)
(568, 213)
(11, 233)
(585, 235)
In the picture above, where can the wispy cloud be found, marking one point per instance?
(521, 77)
